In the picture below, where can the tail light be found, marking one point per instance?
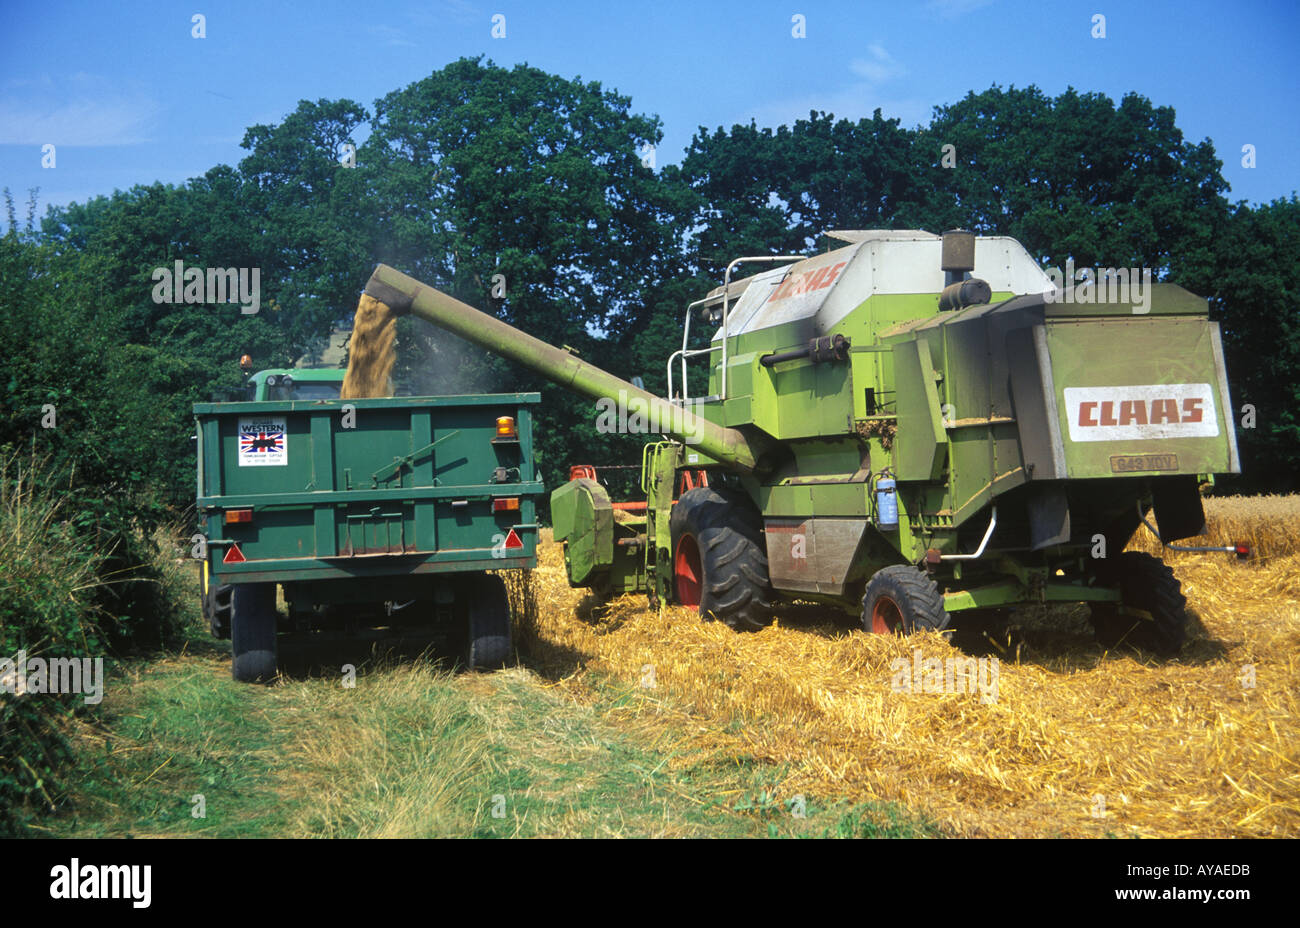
(238, 515)
(505, 504)
(1242, 549)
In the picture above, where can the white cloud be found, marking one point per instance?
(391, 35)
(856, 100)
(85, 120)
(878, 67)
(44, 82)
(853, 102)
(951, 9)
(422, 21)
(462, 11)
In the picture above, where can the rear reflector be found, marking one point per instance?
(1243, 551)
(512, 540)
(234, 555)
(506, 504)
(239, 515)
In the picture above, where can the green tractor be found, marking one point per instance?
(295, 383)
(911, 427)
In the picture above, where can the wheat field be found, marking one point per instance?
(1079, 741)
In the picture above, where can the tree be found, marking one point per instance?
(305, 206)
(1074, 177)
(478, 176)
(763, 191)
(1252, 280)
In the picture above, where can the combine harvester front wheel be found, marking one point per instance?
(719, 559)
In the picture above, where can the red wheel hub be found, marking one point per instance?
(886, 617)
(687, 573)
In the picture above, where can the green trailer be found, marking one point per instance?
(365, 513)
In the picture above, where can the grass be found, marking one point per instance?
(172, 732)
(48, 573)
(789, 732)
(412, 751)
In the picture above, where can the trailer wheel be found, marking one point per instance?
(489, 622)
(252, 632)
(1149, 584)
(719, 558)
(216, 609)
(901, 600)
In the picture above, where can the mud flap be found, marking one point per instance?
(1179, 513)
(1049, 517)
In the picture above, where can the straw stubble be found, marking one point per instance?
(1079, 741)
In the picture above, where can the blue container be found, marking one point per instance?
(886, 504)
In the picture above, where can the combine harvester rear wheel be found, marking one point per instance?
(1152, 614)
(902, 600)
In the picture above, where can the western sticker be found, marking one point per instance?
(263, 442)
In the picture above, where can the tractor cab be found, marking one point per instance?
(290, 383)
(295, 384)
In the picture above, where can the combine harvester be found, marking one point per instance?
(883, 431)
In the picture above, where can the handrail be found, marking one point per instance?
(684, 353)
(979, 552)
(726, 307)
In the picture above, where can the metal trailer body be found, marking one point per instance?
(356, 508)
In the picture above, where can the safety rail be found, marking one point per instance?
(687, 352)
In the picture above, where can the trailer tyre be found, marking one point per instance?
(900, 600)
(216, 609)
(252, 632)
(489, 622)
(1149, 584)
(720, 559)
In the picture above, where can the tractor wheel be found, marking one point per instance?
(489, 622)
(719, 558)
(252, 632)
(901, 600)
(1149, 584)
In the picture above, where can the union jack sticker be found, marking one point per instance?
(262, 442)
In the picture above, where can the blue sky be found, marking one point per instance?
(128, 96)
